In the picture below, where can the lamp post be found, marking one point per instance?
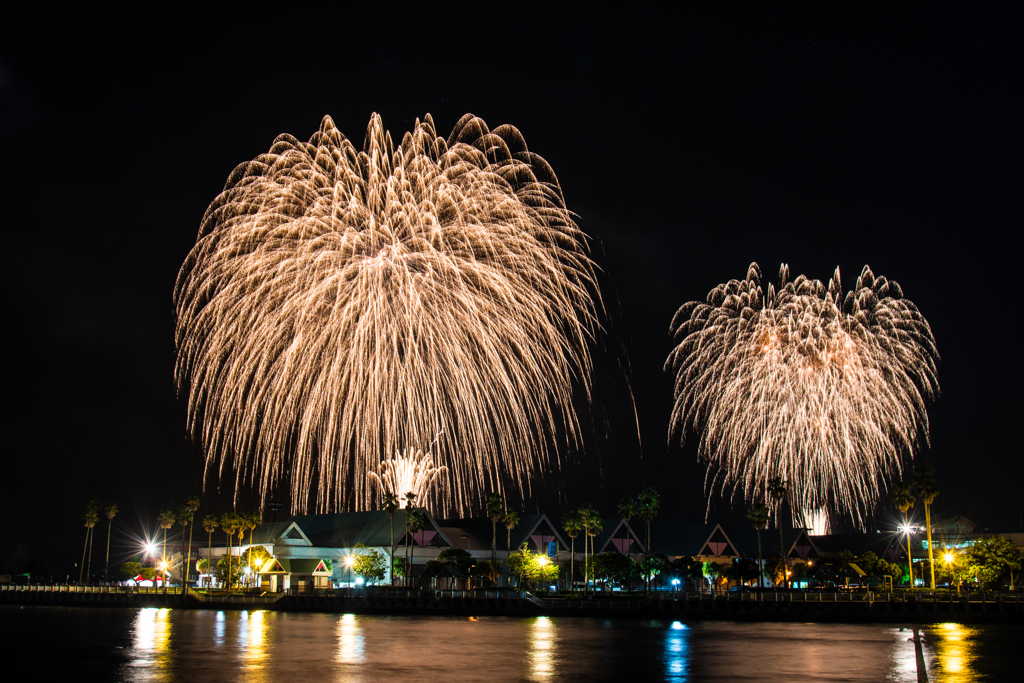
(349, 561)
(910, 566)
(948, 557)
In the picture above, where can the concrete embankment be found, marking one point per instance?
(818, 607)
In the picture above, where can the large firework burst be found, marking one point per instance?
(340, 306)
(826, 391)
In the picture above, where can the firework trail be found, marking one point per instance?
(826, 391)
(412, 473)
(340, 306)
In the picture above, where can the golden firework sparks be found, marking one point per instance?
(413, 473)
(827, 392)
(340, 306)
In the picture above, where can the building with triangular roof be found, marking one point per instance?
(330, 539)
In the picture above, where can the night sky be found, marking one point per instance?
(688, 149)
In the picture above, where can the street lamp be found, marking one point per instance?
(905, 528)
(948, 557)
(349, 561)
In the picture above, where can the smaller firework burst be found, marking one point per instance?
(823, 390)
(413, 473)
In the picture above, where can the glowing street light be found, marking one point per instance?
(349, 561)
(948, 557)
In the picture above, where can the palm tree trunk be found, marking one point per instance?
(647, 554)
(88, 566)
(163, 559)
(572, 562)
(586, 568)
(910, 566)
(392, 558)
(227, 578)
(782, 551)
(209, 559)
(106, 568)
(629, 557)
(188, 563)
(494, 550)
(931, 556)
(81, 567)
(760, 562)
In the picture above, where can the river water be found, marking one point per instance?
(150, 644)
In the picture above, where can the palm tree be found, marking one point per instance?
(410, 505)
(252, 522)
(758, 516)
(111, 511)
(184, 518)
(927, 490)
(391, 507)
(588, 518)
(572, 525)
(192, 504)
(495, 510)
(241, 525)
(166, 520)
(209, 525)
(91, 517)
(228, 524)
(777, 491)
(594, 527)
(415, 523)
(648, 504)
(627, 510)
(95, 505)
(904, 500)
(511, 518)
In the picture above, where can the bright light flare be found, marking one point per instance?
(824, 390)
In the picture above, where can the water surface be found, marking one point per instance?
(151, 644)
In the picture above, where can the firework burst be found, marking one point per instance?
(826, 391)
(340, 306)
(413, 473)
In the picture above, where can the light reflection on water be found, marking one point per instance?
(542, 649)
(953, 653)
(676, 650)
(222, 646)
(152, 642)
(350, 640)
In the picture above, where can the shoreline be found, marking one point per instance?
(982, 609)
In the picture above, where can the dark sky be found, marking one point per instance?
(688, 148)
